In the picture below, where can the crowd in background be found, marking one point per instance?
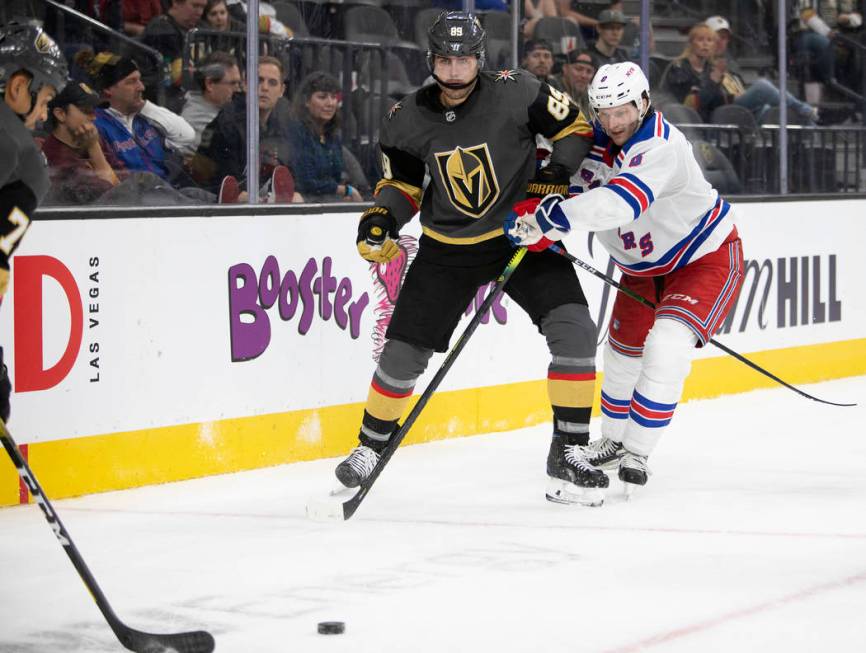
(129, 131)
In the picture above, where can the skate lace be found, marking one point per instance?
(634, 461)
(574, 455)
(604, 447)
(363, 460)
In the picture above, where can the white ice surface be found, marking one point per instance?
(750, 536)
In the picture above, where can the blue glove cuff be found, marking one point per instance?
(550, 216)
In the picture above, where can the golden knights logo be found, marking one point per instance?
(43, 43)
(468, 176)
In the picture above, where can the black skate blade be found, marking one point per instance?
(329, 508)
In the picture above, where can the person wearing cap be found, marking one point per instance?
(611, 27)
(759, 96)
(79, 168)
(538, 59)
(577, 72)
(139, 132)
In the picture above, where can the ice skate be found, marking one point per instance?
(633, 471)
(604, 453)
(355, 469)
(571, 478)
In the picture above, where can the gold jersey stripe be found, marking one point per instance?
(412, 191)
(468, 240)
(580, 127)
(570, 394)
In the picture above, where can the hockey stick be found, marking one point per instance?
(643, 300)
(349, 506)
(135, 640)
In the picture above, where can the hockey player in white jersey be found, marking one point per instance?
(673, 238)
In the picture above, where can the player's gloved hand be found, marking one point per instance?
(537, 224)
(552, 179)
(5, 390)
(377, 235)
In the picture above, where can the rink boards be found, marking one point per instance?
(145, 350)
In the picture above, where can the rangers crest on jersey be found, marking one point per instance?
(394, 109)
(468, 177)
(506, 76)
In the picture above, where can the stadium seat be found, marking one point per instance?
(368, 24)
(290, 16)
(716, 168)
(563, 34)
(680, 114)
(773, 116)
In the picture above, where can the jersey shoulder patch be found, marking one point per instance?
(506, 75)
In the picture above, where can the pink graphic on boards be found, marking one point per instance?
(387, 280)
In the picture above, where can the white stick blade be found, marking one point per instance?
(329, 508)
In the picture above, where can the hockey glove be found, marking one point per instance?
(551, 179)
(377, 235)
(537, 224)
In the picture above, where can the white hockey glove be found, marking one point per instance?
(537, 224)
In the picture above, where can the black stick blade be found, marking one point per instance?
(197, 641)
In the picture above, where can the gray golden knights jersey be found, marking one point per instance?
(479, 155)
(21, 157)
(23, 181)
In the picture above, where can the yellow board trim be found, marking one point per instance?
(124, 460)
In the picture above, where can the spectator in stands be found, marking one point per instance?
(827, 32)
(611, 27)
(223, 148)
(166, 34)
(811, 39)
(140, 134)
(84, 170)
(567, 11)
(758, 96)
(316, 147)
(80, 171)
(534, 11)
(216, 16)
(131, 16)
(577, 72)
(268, 23)
(538, 59)
(218, 78)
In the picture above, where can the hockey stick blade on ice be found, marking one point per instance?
(135, 640)
(337, 511)
(643, 300)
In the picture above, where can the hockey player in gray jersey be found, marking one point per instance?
(29, 62)
(474, 132)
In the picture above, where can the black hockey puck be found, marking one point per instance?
(332, 627)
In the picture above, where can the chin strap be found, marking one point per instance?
(454, 87)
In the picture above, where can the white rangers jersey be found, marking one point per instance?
(649, 203)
